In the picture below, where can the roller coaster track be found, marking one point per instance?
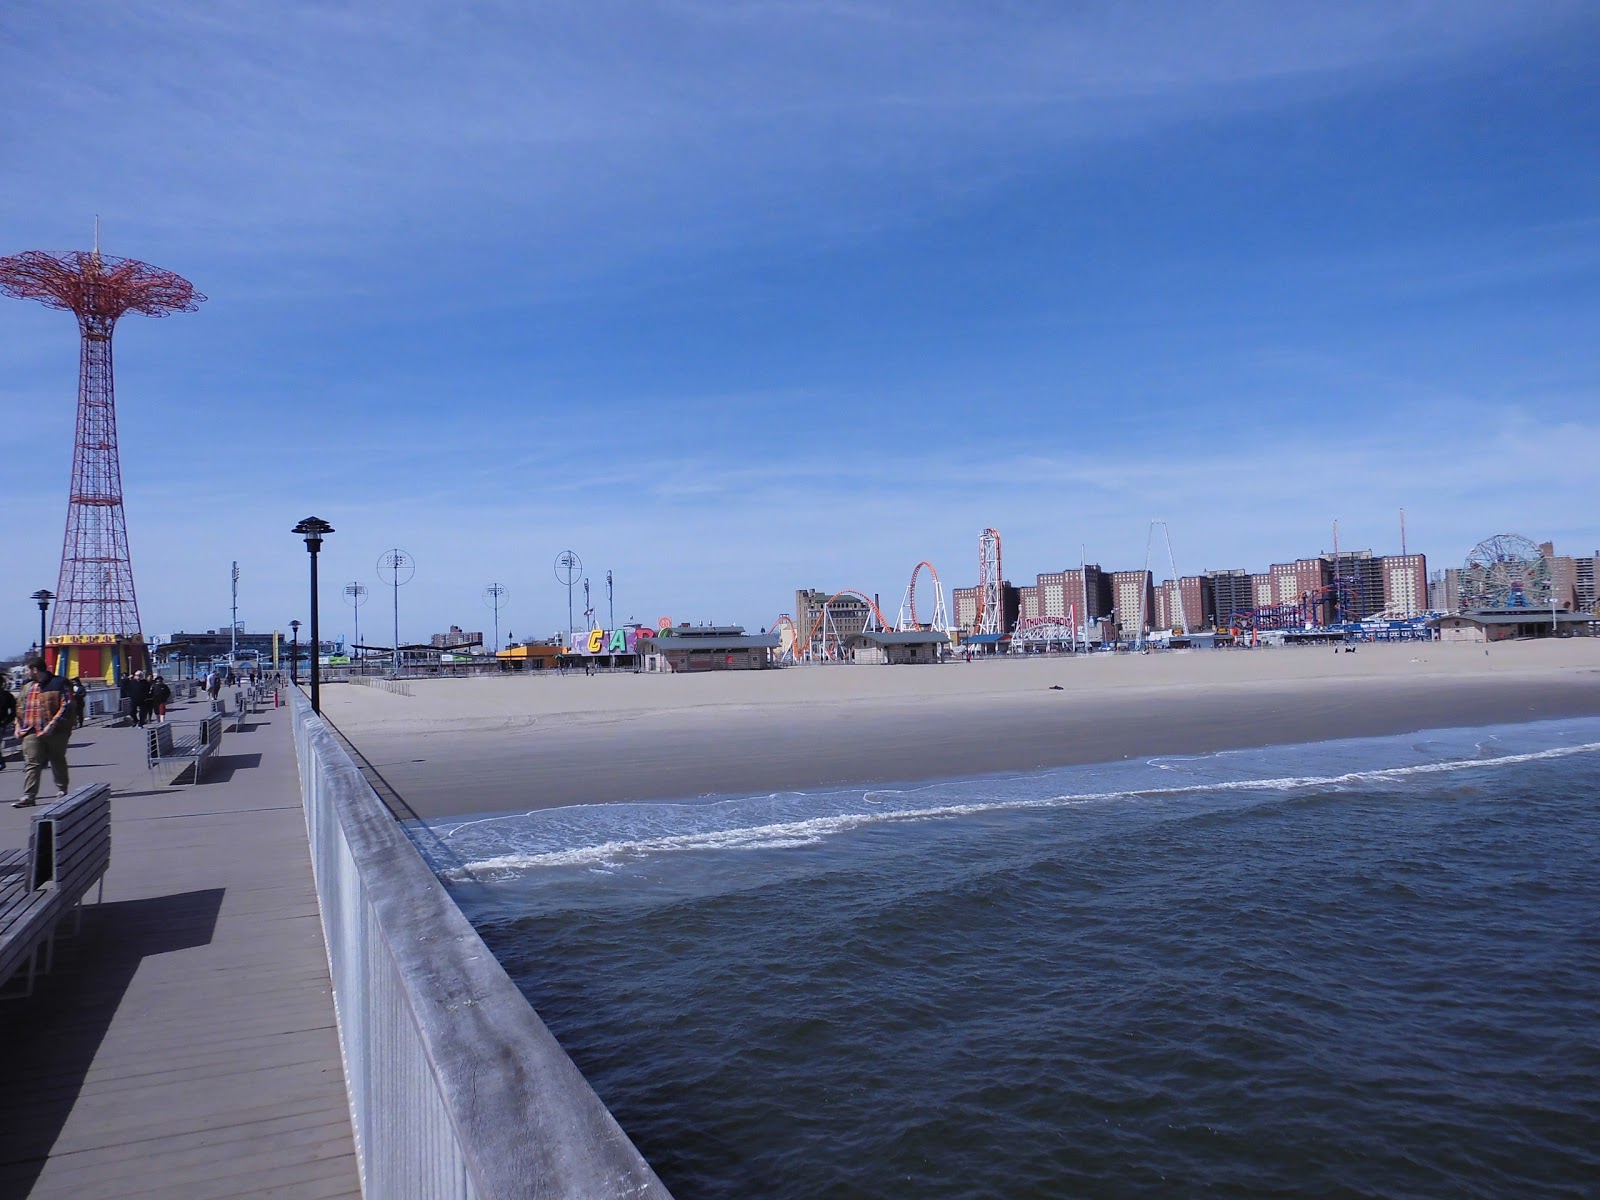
(908, 607)
(784, 620)
(806, 645)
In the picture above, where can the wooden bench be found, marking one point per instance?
(164, 745)
(69, 849)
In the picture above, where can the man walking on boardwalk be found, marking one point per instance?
(44, 723)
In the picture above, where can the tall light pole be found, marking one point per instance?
(355, 595)
(294, 654)
(313, 529)
(42, 598)
(611, 607)
(233, 629)
(568, 568)
(400, 568)
(493, 595)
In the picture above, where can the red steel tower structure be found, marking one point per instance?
(95, 630)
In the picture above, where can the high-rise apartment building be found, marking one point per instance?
(1232, 591)
(1444, 593)
(1196, 612)
(1585, 573)
(1563, 579)
(1361, 575)
(456, 637)
(1405, 584)
(1134, 599)
(964, 606)
(1264, 589)
(964, 603)
(1086, 593)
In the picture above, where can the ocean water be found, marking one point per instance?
(1362, 968)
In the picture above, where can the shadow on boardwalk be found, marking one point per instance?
(51, 1037)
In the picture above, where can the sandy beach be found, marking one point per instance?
(496, 744)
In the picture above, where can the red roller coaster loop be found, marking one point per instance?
(911, 589)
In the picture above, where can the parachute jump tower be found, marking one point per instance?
(95, 630)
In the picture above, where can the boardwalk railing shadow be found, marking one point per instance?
(51, 1037)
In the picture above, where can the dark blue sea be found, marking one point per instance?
(1360, 968)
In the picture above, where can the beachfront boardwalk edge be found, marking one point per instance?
(184, 1044)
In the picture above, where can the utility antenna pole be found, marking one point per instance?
(233, 629)
(611, 607)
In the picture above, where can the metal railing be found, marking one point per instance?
(456, 1087)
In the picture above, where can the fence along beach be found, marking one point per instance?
(476, 745)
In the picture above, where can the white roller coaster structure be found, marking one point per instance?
(907, 619)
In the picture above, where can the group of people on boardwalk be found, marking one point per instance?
(147, 694)
(51, 707)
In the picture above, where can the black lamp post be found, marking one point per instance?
(313, 529)
(294, 654)
(43, 598)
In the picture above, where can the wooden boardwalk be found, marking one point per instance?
(185, 1045)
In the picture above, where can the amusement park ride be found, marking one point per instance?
(824, 640)
(95, 629)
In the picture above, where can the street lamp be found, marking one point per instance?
(313, 529)
(43, 598)
(294, 654)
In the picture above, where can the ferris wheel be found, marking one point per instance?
(1505, 571)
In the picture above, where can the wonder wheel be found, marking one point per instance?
(1505, 571)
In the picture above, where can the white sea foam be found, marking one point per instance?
(720, 834)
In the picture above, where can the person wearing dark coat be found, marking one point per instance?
(8, 716)
(141, 698)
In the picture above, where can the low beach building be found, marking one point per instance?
(529, 656)
(708, 648)
(900, 648)
(1503, 624)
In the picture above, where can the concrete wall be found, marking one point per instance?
(457, 1089)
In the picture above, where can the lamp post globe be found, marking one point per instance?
(313, 529)
(294, 653)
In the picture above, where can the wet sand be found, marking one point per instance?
(470, 746)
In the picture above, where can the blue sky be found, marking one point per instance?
(733, 298)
